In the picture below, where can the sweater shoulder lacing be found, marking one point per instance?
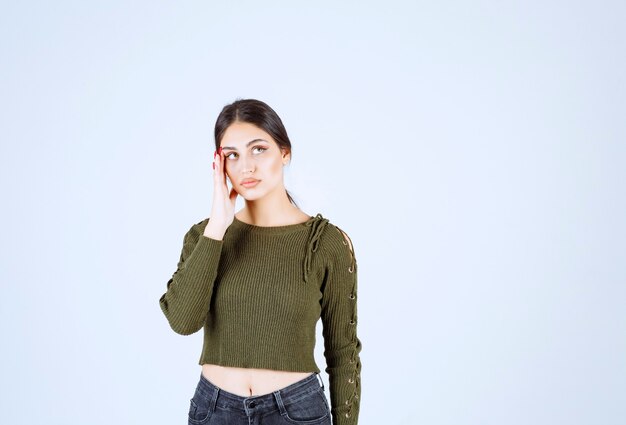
(347, 241)
(317, 224)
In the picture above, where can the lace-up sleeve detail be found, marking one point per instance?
(339, 317)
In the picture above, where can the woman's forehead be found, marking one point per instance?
(240, 135)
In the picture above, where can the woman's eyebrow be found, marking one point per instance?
(247, 144)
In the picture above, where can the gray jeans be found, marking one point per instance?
(301, 403)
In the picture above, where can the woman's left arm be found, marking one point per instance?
(339, 319)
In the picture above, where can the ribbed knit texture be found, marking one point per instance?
(258, 295)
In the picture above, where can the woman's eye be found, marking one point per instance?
(234, 155)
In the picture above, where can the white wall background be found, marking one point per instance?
(474, 151)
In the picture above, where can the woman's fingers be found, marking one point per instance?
(219, 176)
(217, 167)
(223, 205)
(222, 171)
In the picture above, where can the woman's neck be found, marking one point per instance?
(271, 211)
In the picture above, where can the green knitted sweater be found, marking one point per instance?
(259, 293)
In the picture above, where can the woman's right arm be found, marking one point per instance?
(186, 301)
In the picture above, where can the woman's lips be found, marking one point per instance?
(250, 183)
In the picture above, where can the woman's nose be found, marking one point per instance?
(247, 165)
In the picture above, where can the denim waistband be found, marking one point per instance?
(286, 395)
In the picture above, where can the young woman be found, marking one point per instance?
(257, 281)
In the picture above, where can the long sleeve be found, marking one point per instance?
(187, 299)
(339, 318)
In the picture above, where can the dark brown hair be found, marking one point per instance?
(257, 113)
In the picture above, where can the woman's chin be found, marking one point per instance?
(249, 195)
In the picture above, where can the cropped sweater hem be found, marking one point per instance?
(275, 364)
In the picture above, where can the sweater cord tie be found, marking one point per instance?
(317, 224)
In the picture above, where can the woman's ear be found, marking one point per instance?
(286, 156)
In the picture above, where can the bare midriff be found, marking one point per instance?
(247, 382)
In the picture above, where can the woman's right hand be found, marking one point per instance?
(223, 207)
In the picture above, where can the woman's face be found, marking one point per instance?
(251, 154)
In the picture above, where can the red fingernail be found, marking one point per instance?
(214, 165)
(219, 151)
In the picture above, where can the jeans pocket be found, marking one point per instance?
(310, 410)
(199, 411)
